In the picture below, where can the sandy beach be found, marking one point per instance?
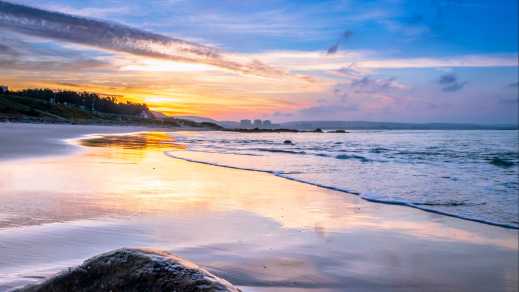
(63, 199)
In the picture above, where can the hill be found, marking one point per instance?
(47, 106)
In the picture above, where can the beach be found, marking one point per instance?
(65, 197)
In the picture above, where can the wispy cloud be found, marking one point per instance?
(116, 37)
(90, 11)
(6, 50)
(509, 60)
(368, 84)
(372, 60)
(327, 110)
(450, 82)
(344, 36)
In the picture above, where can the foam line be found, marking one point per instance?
(373, 200)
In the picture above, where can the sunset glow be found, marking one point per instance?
(268, 60)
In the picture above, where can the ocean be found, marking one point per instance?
(472, 174)
(70, 192)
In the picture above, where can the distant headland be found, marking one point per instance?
(60, 106)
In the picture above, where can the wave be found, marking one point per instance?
(501, 162)
(357, 157)
(449, 203)
(368, 197)
(378, 150)
(225, 152)
(279, 151)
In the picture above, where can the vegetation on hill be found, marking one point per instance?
(85, 100)
(48, 106)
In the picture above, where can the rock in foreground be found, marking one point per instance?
(134, 270)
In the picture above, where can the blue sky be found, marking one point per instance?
(392, 60)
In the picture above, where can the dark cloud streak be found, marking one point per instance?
(450, 82)
(334, 48)
(6, 50)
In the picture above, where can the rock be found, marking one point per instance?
(318, 130)
(133, 270)
(288, 142)
(338, 131)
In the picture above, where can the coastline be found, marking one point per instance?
(349, 192)
(254, 229)
(24, 141)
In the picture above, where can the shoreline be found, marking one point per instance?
(54, 143)
(217, 216)
(348, 192)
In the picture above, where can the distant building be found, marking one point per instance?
(4, 89)
(267, 124)
(146, 115)
(158, 115)
(257, 124)
(245, 124)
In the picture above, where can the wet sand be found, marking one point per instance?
(256, 230)
(35, 140)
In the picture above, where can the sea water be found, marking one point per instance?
(468, 174)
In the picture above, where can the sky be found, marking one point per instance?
(373, 60)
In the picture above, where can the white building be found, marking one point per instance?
(245, 124)
(146, 115)
(257, 124)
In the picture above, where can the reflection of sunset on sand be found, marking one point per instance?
(210, 214)
(282, 145)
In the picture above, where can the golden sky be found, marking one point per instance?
(339, 60)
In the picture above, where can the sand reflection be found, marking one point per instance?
(291, 204)
(137, 141)
(218, 216)
(128, 175)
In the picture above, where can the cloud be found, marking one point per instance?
(513, 84)
(6, 50)
(450, 82)
(365, 60)
(331, 109)
(120, 38)
(369, 84)
(410, 28)
(344, 36)
(77, 65)
(358, 93)
(278, 114)
(509, 60)
(365, 84)
(97, 12)
(448, 79)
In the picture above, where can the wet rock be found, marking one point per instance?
(134, 270)
(318, 130)
(288, 142)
